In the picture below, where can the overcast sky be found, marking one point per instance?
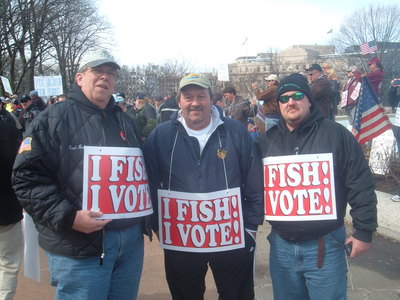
(218, 31)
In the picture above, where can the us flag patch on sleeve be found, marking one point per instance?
(26, 145)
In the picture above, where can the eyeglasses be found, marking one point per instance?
(100, 72)
(296, 97)
(311, 74)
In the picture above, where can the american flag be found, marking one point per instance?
(369, 47)
(370, 119)
(26, 145)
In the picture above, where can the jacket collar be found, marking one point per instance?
(79, 97)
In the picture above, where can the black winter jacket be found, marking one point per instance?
(195, 173)
(48, 179)
(10, 139)
(353, 179)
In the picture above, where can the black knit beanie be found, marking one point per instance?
(294, 82)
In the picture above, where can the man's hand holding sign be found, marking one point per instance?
(86, 221)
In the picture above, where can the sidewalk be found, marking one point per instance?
(368, 284)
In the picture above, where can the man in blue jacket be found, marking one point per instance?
(313, 168)
(206, 181)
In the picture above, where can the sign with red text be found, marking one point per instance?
(299, 188)
(115, 182)
(200, 222)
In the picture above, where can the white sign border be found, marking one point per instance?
(99, 150)
(299, 159)
(197, 197)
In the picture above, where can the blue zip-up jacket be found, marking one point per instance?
(195, 173)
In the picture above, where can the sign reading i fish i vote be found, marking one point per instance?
(115, 182)
(200, 222)
(299, 187)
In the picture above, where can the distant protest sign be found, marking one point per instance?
(6, 85)
(382, 150)
(223, 72)
(48, 85)
(115, 182)
(200, 222)
(299, 187)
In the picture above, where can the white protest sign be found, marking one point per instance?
(299, 187)
(356, 92)
(115, 182)
(200, 222)
(223, 72)
(343, 102)
(31, 251)
(48, 85)
(381, 151)
(6, 85)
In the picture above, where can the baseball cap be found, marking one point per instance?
(314, 67)
(196, 79)
(118, 99)
(374, 60)
(272, 77)
(33, 93)
(140, 96)
(98, 58)
(24, 98)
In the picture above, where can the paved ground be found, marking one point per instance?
(375, 276)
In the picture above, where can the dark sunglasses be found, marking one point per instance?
(296, 97)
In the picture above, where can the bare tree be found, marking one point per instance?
(127, 82)
(78, 29)
(380, 23)
(47, 37)
(24, 30)
(152, 79)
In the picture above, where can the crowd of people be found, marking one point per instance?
(210, 182)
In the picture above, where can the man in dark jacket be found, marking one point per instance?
(29, 112)
(11, 241)
(238, 108)
(168, 108)
(90, 255)
(206, 174)
(313, 167)
(146, 116)
(321, 89)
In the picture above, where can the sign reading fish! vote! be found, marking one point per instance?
(299, 187)
(200, 222)
(115, 182)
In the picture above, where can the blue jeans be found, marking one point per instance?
(117, 278)
(294, 271)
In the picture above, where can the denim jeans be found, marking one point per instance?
(117, 278)
(294, 270)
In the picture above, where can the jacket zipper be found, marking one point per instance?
(102, 248)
